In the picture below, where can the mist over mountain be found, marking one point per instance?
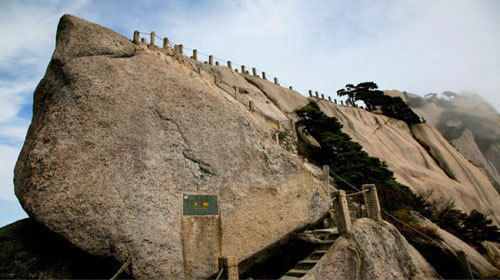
(468, 121)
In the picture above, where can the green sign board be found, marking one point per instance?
(195, 205)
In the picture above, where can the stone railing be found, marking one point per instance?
(178, 49)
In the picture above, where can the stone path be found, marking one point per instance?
(324, 239)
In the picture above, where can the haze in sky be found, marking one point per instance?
(416, 46)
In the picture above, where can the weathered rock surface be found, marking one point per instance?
(479, 265)
(469, 123)
(373, 251)
(29, 250)
(392, 141)
(476, 189)
(121, 131)
(493, 251)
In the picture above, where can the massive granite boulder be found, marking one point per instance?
(121, 131)
(372, 251)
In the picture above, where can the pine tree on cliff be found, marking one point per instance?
(368, 92)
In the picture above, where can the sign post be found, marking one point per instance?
(199, 205)
(201, 234)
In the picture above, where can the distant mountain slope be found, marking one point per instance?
(468, 122)
(392, 141)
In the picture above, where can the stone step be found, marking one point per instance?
(325, 247)
(316, 255)
(332, 230)
(320, 251)
(297, 272)
(306, 264)
(318, 237)
(309, 261)
(289, 277)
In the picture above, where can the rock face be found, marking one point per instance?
(29, 250)
(469, 123)
(493, 251)
(479, 265)
(120, 131)
(373, 251)
(393, 141)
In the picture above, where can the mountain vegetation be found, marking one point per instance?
(375, 99)
(348, 161)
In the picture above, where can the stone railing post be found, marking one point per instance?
(342, 102)
(254, 71)
(264, 75)
(165, 43)
(290, 87)
(217, 63)
(250, 105)
(210, 60)
(310, 93)
(326, 178)
(276, 80)
(330, 98)
(176, 49)
(152, 39)
(229, 64)
(322, 96)
(317, 94)
(181, 49)
(136, 37)
(341, 210)
(335, 101)
(230, 268)
(201, 239)
(143, 40)
(195, 55)
(242, 69)
(371, 202)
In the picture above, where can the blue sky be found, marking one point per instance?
(418, 46)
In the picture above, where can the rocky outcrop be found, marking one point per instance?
(450, 243)
(393, 142)
(29, 250)
(121, 131)
(372, 251)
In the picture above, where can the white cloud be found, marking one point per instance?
(418, 46)
(28, 29)
(13, 95)
(16, 133)
(8, 158)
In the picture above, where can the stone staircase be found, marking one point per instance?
(323, 239)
